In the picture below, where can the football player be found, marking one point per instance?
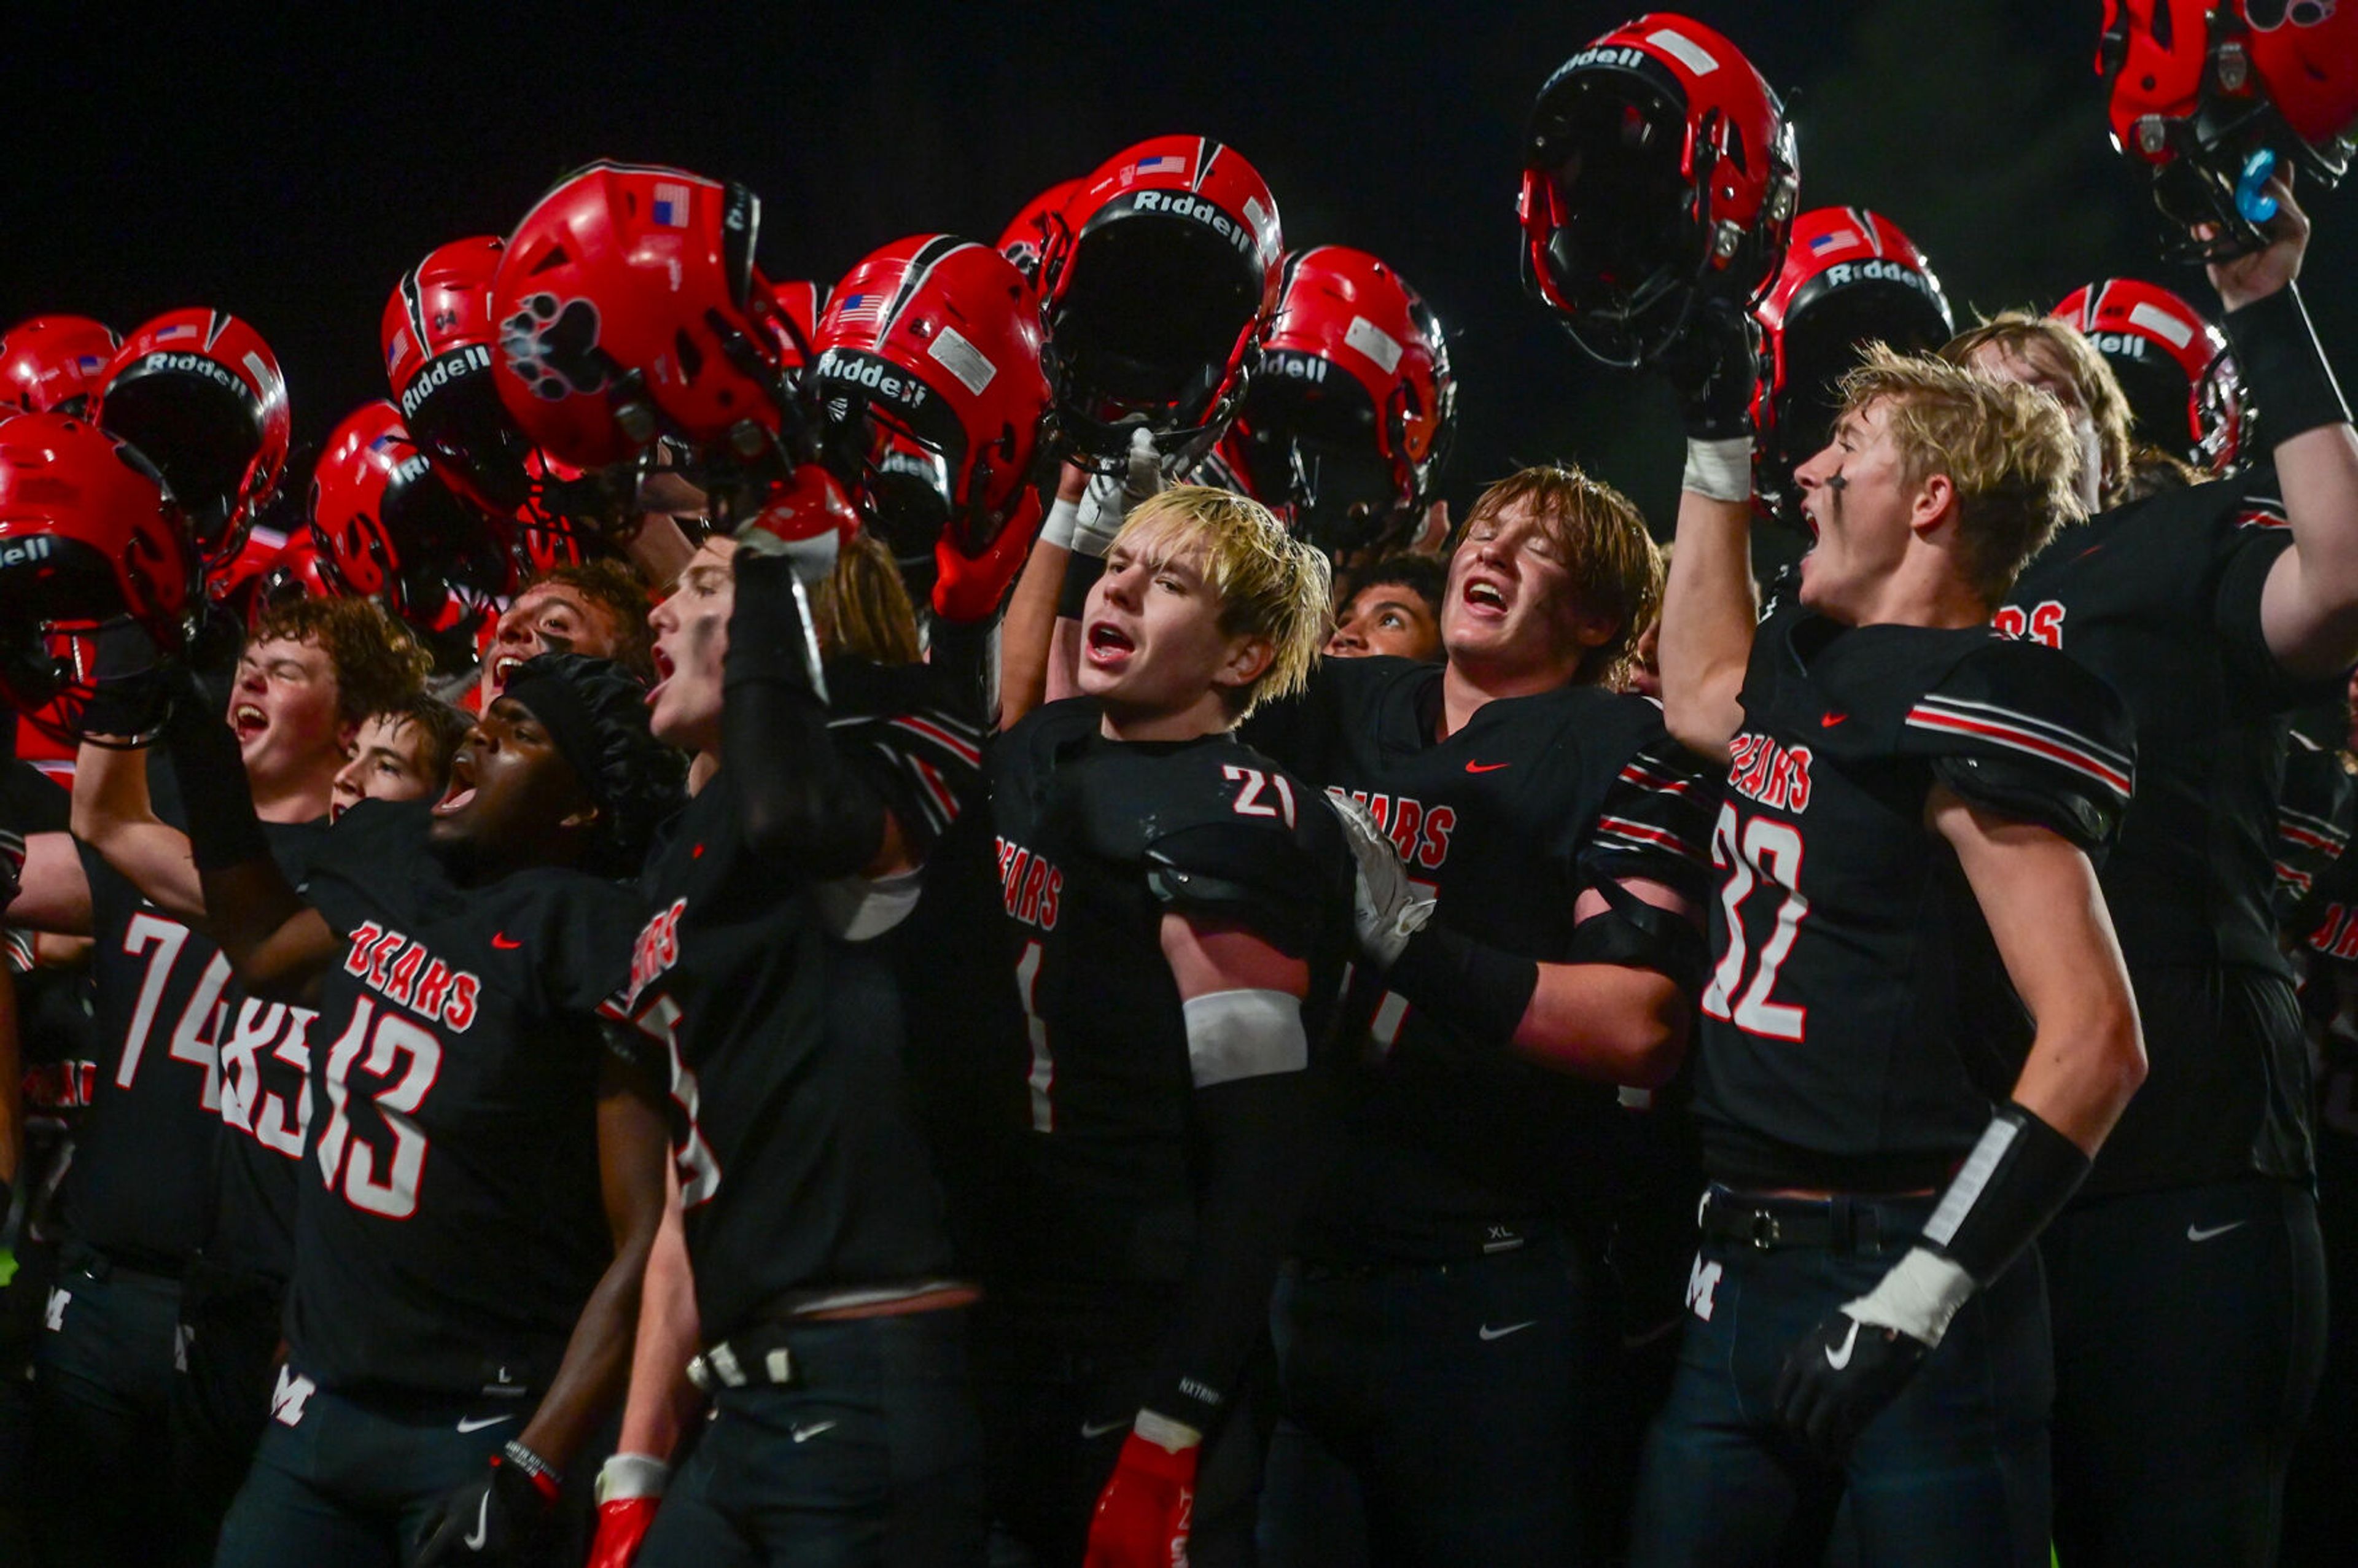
(1177, 915)
(1911, 805)
(155, 1196)
(2214, 610)
(401, 753)
(1394, 608)
(467, 1266)
(596, 608)
(812, 1223)
(1444, 1337)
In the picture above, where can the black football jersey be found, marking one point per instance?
(2162, 599)
(1096, 841)
(801, 1169)
(2314, 816)
(450, 1226)
(1859, 1025)
(141, 1186)
(1505, 822)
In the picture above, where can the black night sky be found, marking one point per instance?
(288, 167)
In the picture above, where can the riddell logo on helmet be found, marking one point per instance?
(440, 371)
(1620, 55)
(1183, 204)
(2118, 345)
(410, 469)
(875, 375)
(1293, 366)
(1876, 271)
(22, 552)
(197, 364)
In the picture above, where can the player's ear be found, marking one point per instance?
(1935, 503)
(1249, 657)
(584, 818)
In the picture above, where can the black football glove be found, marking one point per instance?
(505, 1516)
(1714, 366)
(1840, 1377)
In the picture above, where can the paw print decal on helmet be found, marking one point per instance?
(552, 347)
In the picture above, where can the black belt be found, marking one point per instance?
(1841, 1224)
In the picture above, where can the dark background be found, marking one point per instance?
(288, 168)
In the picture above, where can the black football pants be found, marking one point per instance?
(2321, 1512)
(1952, 1474)
(2189, 1326)
(220, 1400)
(338, 1481)
(1441, 1414)
(102, 1375)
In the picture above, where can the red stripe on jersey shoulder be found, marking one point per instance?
(1986, 724)
(940, 734)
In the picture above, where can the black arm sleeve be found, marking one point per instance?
(1262, 1137)
(796, 798)
(223, 830)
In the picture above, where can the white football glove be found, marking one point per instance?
(1386, 909)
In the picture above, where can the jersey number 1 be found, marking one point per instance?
(1760, 852)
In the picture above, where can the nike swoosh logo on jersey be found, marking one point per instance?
(483, 1524)
(1489, 1333)
(1473, 767)
(1828, 720)
(1090, 1429)
(2194, 1235)
(804, 1434)
(477, 1423)
(504, 942)
(1840, 1359)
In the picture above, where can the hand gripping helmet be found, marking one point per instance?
(1025, 239)
(48, 362)
(1658, 167)
(2213, 93)
(89, 540)
(439, 334)
(386, 524)
(2173, 365)
(629, 308)
(1354, 406)
(200, 394)
(929, 387)
(1159, 278)
(1850, 278)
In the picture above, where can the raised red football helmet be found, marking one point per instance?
(1158, 282)
(1850, 278)
(629, 308)
(1354, 407)
(201, 394)
(389, 526)
(1025, 239)
(439, 335)
(2175, 367)
(296, 571)
(2211, 93)
(91, 539)
(929, 387)
(48, 363)
(1658, 167)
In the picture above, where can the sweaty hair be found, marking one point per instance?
(1268, 583)
(862, 609)
(1420, 575)
(634, 779)
(378, 663)
(2007, 447)
(438, 725)
(614, 588)
(1600, 537)
(2061, 349)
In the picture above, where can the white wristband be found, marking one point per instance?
(1058, 529)
(1918, 1297)
(631, 1475)
(1721, 471)
(1164, 1433)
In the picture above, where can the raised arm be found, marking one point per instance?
(114, 815)
(2308, 609)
